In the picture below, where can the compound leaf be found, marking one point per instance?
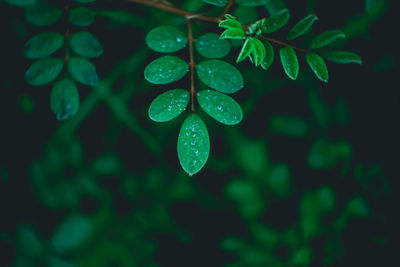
(327, 38)
(81, 16)
(64, 99)
(44, 71)
(269, 56)
(209, 45)
(166, 39)
(276, 21)
(169, 105)
(166, 70)
(193, 144)
(318, 66)
(42, 14)
(221, 107)
(302, 27)
(220, 76)
(44, 44)
(83, 71)
(84, 44)
(343, 57)
(290, 62)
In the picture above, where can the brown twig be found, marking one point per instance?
(284, 44)
(227, 8)
(191, 63)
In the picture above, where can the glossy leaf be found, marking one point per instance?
(257, 27)
(269, 56)
(233, 34)
(44, 71)
(277, 21)
(193, 144)
(42, 14)
(220, 76)
(166, 39)
(230, 22)
(220, 3)
(166, 70)
(290, 62)
(83, 71)
(258, 53)
(44, 44)
(317, 64)
(221, 107)
(327, 38)
(64, 99)
(209, 45)
(169, 105)
(302, 27)
(81, 16)
(85, 44)
(343, 57)
(251, 2)
(21, 3)
(246, 50)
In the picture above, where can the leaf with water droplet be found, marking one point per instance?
(302, 27)
(220, 76)
(343, 57)
(276, 21)
(84, 44)
(83, 71)
(289, 61)
(326, 38)
(220, 3)
(42, 14)
(64, 99)
(44, 71)
(169, 105)
(317, 64)
(193, 144)
(43, 44)
(209, 45)
(166, 39)
(166, 70)
(269, 56)
(221, 107)
(81, 16)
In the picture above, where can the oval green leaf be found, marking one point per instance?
(81, 16)
(327, 38)
(317, 64)
(64, 99)
(220, 76)
(42, 14)
(169, 105)
(220, 3)
(221, 107)
(166, 39)
(44, 44)
(44, 71)
(276, 21)
(302, 27)
(83, 71)
(166, 70)
(209, 45)
(84, 44)
(269, 56)
(343, 57)
(290, 62)
(193, 144)
(251, 2)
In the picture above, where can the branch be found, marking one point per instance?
(191, 62)
(284, 44)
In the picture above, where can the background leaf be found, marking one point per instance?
(83, 71)
(277, 21)
(42, 14)
(209, 45)
(166, 39)
(317, 64)
(169, 105)
(302, 27)
(251, 2)
(327, 38)
(84, 44)
(220, 3)
(343, 57)
(44, 71)
(166, 70)
(64, 99)
(21, 3)
(81, 16)
(44, 44)
(289, 61)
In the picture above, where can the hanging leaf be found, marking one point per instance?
(343, 57)
(258, 53)
(84, 44)
(220, 76)
(21, 3)
(193, 144)
(246, 50)
(44, 71)
(276, 21)
(166, 39)
(44, 44)
(289, 62)
(83, 71)
(302, 27)
(327, 38)
(166, 70)
(209, 45)
(221, 107)
(81, 16)
(64, 99)
(233, 34)
(220, 3)
(269, 56)
(169, 105)
(317, 64)
(42, 14)
(252, 2)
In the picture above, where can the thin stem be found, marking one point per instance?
(284, 44)
(227, 8)
(191, 63)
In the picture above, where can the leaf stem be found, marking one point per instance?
(192, 64)
(284, 44)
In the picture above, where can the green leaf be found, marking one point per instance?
(64, 99)
(258, 53)
(289, 62)
(44, 44)
(166, 39)
(230, 23)
(220, 76)
(44, 71)
(252, 2)
(169, 105)
(42, 14)
(166, 70)
(193, 144)
(209, 45)
(246, 50)
(257, 27)
(343, 57)
(302, 27)
(21, 3)
(288, 125)
(269, 56)
(220, 3)
(317, 64)
(233, 34)
(221, 107)
(84, 44)
(277, 21)
(83, 71)
(327, 38)
(81, 16)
